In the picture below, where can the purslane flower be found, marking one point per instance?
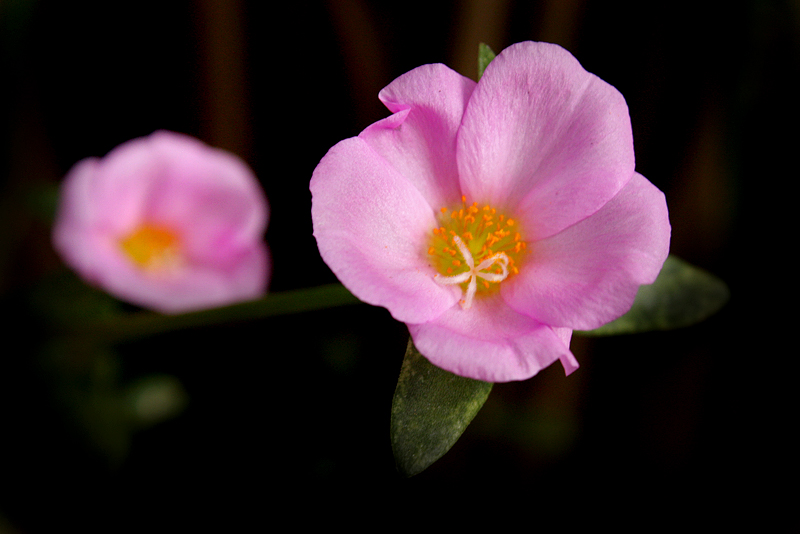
(167, 223)
(493, 218)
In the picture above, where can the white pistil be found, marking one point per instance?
(474, 272)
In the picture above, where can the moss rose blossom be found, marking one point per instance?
(165, 222)
(494, 218)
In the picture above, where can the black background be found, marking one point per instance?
(290, 415)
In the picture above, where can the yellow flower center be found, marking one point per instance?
(475, 247)
(153, 248)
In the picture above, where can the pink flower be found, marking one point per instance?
(165, 222)
(493, 218)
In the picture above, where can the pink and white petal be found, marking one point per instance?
(490, 342)
(372, 228)
(545, 139)
(419, 140)
(588, 274)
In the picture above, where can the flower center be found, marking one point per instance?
(153, 248)
(475, 247)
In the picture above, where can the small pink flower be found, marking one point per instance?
(165, 222)
(494, 218)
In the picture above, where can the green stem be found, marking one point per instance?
(145, 323)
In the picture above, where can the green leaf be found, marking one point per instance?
(485, 56)
(430, 410)
(682, 295)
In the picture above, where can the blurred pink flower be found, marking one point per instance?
(494, 218)
(165, 222)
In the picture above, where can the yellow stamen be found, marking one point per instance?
(153, 248)
(473, 248)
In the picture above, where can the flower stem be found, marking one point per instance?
(146, 323)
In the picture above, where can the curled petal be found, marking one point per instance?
(419, 140)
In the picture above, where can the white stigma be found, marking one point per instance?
(474, 272)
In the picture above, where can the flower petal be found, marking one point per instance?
(543, 137)
(588, 274)
(112, 192)
(491, 342)
(189, 287)
(207, 195)
(421, 144)
(372, 226)
(76, 211)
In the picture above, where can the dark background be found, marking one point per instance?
(291, 415)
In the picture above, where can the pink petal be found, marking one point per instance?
(588, 274)
(76, 211)
(115, 194)
(195, 286)
(544, 138)
(490, 342)
(372, 227)
(420, 144)
(208, 195)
